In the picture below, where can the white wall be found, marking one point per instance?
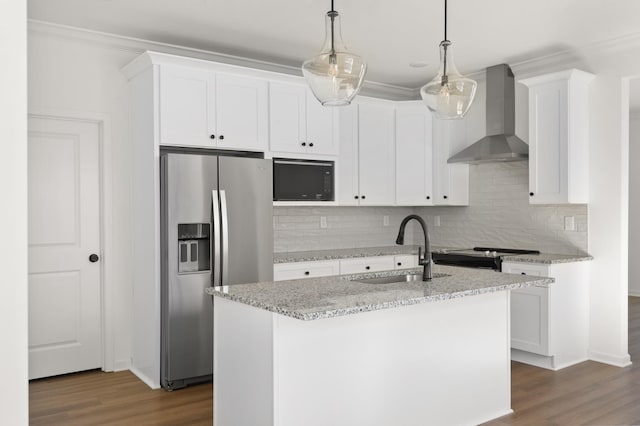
(634, 201)
(14, 398)
(73, 77)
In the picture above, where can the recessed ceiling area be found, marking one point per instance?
(389, 35)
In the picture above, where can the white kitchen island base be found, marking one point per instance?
(437, 363)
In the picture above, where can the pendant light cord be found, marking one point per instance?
(333, 17)
(445, 77)
(445, 19)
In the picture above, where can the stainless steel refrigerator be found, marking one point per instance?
(217, 229)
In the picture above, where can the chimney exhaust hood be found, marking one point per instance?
(501, 143)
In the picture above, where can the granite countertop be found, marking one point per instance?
(327, 297)
(548, 258)
(307, 256)
(312, 255)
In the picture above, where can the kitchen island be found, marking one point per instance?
(338, 351)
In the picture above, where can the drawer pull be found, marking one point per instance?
(306, 272)
(367, 267)
(523, 273)
(399, 263)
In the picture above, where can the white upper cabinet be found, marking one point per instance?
(559, 137)
(299, 124)
(414, 155)
(450, 181)
(200, 108)
(366, 166)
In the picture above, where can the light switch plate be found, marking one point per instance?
(569, 223)
(323, 221)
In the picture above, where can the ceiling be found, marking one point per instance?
(389, 35)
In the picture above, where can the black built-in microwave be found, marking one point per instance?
(303, 180)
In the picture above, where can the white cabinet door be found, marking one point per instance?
(451, 181)
(187, 107)
(347, 189)
(287, 117)
(299, 270)
(362, 265)
(530, 311)
(242, 116)
(376, 153)
(414, 157)
(322, 137)
(559, 137)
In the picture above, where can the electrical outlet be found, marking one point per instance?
(569, 223)
(323, 222)
(385, 220)
(436, 221)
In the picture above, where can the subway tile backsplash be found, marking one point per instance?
(298, 228)
(499, 215)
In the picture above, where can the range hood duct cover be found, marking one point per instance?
(501, 143)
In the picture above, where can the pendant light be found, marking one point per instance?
(334, 75)
(449, 95)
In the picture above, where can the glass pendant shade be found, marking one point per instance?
(334, 75)
(449, 95)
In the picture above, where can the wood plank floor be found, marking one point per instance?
(589, 393)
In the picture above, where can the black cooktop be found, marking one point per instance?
(477, 257)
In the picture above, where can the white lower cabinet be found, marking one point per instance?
(358, 265)
(403, 261)
(298, 270)
(549, 325)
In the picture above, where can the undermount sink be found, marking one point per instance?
(395, 279)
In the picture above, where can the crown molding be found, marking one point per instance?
(138, 46)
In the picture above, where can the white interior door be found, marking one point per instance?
(64, 231)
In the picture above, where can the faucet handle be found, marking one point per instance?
(420, 255)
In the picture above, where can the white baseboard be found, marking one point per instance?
(121, 365)
(149, 382)
(611, 359)
(495, 416)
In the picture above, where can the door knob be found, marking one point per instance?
(94, 258)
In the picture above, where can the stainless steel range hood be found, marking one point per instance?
(501, 143)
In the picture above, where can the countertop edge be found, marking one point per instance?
(540, 282)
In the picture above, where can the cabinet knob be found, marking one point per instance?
(94, 258)
(428, 197)
(367, 267)
(303, 144)
(356, 197)
(363, 197)
(531, 194)
(221, 137)
(311, 144)
(445, 197)
(306, 272)
(212, 136)
(522, 273)
(399, 263)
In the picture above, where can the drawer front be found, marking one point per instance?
(403, 261)
(366, 264)
(298, 270)
(534, 269)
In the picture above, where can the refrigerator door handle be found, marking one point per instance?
(215, 241)
(225, 237)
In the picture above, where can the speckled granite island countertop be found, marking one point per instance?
(334, 296)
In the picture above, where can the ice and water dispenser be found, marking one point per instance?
(194, 247)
